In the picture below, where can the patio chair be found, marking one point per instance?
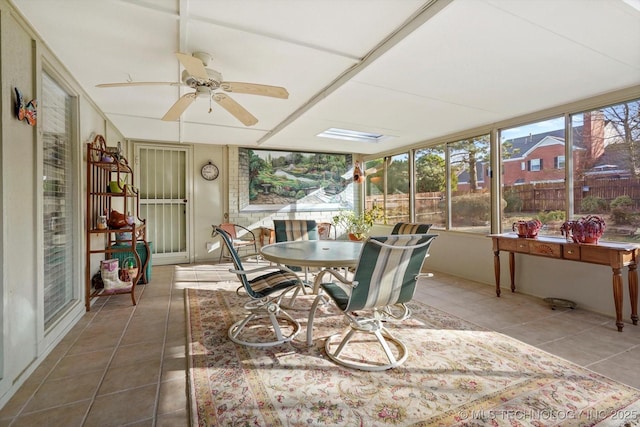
(288, 230)
(265, 292)
(324, 230)
(242, 239)
(411, 228)
(386, 275)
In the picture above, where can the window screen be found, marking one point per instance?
(55, 117)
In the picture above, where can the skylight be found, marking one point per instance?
(351, 135)
(633, 3)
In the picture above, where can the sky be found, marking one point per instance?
(533, 129)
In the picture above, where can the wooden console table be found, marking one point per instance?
(615, 255)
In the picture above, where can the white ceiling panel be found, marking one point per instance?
(221, 134)
(481, 68)
(248, 57)
(144, 128)
(321, 25)
(589, 23)
(413, 69)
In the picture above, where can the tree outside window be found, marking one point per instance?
(430, 178)
(470, 192)
(389, 176)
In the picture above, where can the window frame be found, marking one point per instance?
(565, 111)
(50, 329)
(534, 165)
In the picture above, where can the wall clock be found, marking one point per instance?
(210, 171)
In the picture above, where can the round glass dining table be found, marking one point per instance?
(314, 253)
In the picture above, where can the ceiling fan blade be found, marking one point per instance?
(178, 108)
(236, 110)
(125, 84)
(193, 65)
(255, 89)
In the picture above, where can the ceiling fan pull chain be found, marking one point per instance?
(210, 109)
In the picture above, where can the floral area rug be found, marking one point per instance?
(457, 374)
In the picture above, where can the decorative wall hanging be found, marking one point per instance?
(358, 176)
(98, 146)
(28, 111)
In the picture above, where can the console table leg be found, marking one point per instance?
(496, 270)
(633, 292)
(512, 270)
(617, 297)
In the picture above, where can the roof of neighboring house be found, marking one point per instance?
(614, 161)
(524, 144)
(521, 145)
(614, 154)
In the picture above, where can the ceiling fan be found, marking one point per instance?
(207, 82)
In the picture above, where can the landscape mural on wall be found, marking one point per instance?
(317, 180)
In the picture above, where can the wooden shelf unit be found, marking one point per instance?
(100, 201)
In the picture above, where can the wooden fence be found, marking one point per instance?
(551, 196)
(535, 197)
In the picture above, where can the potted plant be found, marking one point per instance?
(357, 226)
(587, 229)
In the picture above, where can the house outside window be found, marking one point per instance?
(534, 191)
(558, 162)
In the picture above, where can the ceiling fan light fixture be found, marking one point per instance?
(205, 81)
(352, 135)
(203, 92)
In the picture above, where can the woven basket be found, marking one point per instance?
(129, 273)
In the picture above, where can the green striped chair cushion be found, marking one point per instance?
(288, 230)
(385, 275)
(411, 228)
(271, 282)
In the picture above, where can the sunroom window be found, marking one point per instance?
(57, 181)
(606, 170)
(470, 190)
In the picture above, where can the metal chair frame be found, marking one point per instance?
(386, 276)
(266, 292)
(237, 239)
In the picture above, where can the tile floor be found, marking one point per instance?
(125, 365)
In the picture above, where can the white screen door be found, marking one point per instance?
(162, 180)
